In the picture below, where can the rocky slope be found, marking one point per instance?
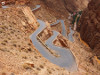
(89, 28)
(58, 9)
(16, 2)
(19, 56)
(89, 25)
(51, 10)
(17, 53)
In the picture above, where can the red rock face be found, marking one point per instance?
(89, 25)
(0, 5)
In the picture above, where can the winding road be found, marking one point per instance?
(37, 7)
(63, 27)
(70, 35)
(4, 7)
(66, 58)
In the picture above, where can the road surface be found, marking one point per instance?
(37, 7)
(66, 58)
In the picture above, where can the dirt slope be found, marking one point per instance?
(17, 53)
(19, 56)
(58, 9)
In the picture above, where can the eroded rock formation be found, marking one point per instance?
(89, 25)
(46, 33)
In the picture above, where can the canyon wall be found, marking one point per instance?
(89, 25)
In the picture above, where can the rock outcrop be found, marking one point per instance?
(89, 25)
(46, 33)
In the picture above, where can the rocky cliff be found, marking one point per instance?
(89, 25)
